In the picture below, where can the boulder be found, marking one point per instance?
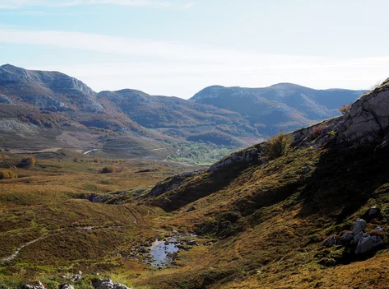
(107, 284)
(76, 277)
(190, 209)
(357, 237)
(368, 243)
(371, 214)
(378, 229)
(330, 241)
(347, 237)
(65, 286)
(359, 226)
(36, 286)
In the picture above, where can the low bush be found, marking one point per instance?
(278, 145)
(316, 131)
(110, 169)
(345, 109)
(27, 162)
(7, 174)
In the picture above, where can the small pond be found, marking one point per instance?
(163, 252)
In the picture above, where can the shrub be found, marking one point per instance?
(27, 162)
(345, 109)
(316, 131)
(109, 169)
(7, 174)
(278, 145)
(96, 160)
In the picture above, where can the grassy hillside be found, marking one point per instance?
(270, 220)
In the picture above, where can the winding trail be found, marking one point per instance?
(15, 254)
(17, 251)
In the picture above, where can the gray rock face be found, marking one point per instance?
(107, 284)
(359, 226)
(302, 137)
(368, 118)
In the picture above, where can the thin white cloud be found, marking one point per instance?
(16, 4)
(176, 68)
(141, 47)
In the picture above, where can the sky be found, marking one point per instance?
(178, 47)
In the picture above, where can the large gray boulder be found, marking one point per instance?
(368, 243)
(359, 226)
(367, 120)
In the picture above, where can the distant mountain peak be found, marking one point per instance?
(56, 81)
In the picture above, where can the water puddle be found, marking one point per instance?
(163, 252)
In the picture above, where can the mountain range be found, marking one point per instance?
(283, 106)
(50, 104)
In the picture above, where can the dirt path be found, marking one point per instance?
(17, 251)
(15, 254)
(236, 250)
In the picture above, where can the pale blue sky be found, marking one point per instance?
(177, 47)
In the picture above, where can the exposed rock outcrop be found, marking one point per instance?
(368, 119)
(247, 155)
(358, 241)
(171, 183)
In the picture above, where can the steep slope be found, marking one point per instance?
(286, 222)
(283, 106)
